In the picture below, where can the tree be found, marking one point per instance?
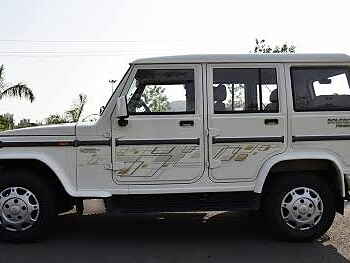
(19, 90)
(55, 119)
(261, 46)
(236, 96)
(77, 108)
(155, 99)
(6, 122)
(71, 115)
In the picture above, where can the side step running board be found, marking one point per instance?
(230, 201)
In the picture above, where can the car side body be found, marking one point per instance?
(210, 132)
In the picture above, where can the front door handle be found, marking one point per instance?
(186, 123)
(271, 121)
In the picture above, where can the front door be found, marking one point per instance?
(163, 140)
(246, 119)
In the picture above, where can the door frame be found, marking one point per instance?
(199, 114)
(212, 132)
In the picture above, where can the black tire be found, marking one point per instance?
(29, 180)
(273, 198)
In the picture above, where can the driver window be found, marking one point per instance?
(162, 91)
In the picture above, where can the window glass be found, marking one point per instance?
(245, 90)
(321, 89)
(157, 91)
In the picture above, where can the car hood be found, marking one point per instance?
(67, 129)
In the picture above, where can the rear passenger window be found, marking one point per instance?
(244, 90)
(321, 88)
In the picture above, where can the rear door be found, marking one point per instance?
(320, 108)
(246, 118)
(163, 140)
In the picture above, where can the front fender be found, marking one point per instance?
(66, 174)
(265, 169)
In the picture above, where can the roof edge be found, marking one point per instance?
(248, 58)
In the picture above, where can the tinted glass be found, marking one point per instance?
(245, 90)
(321, 88)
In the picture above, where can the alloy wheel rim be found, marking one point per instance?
(19, 209)
(302, 208)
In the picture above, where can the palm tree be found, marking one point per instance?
(19, 90)
(77, 109)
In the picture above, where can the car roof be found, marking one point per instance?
(245, 58)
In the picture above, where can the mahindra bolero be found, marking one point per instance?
(199, 132)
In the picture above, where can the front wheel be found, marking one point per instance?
(26, 206)
(299, 207)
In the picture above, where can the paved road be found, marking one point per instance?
(186, 237)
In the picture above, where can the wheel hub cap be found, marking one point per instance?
(19, 209)
(14, 210)
(302, 208)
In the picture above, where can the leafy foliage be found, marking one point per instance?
(6, 122)
(55, 119)
(75, 112)
(19, 90)
(236, 96)
(155, 99)
(71, 115)
(261, 46)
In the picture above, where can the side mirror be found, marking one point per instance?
(122, 111)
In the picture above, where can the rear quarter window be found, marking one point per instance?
(321, 88)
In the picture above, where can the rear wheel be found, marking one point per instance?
(27, 206)
(299, 207)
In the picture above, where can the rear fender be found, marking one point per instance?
(264, 171)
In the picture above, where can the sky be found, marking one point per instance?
(63, 48)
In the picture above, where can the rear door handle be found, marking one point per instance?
(186, 123)
(271, 121)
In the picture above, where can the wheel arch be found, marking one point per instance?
(67, 178)
(38, 159)
(268, 166)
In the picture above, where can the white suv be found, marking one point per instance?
(189, 133)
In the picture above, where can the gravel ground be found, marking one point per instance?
(340, 234)
(177, 237)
